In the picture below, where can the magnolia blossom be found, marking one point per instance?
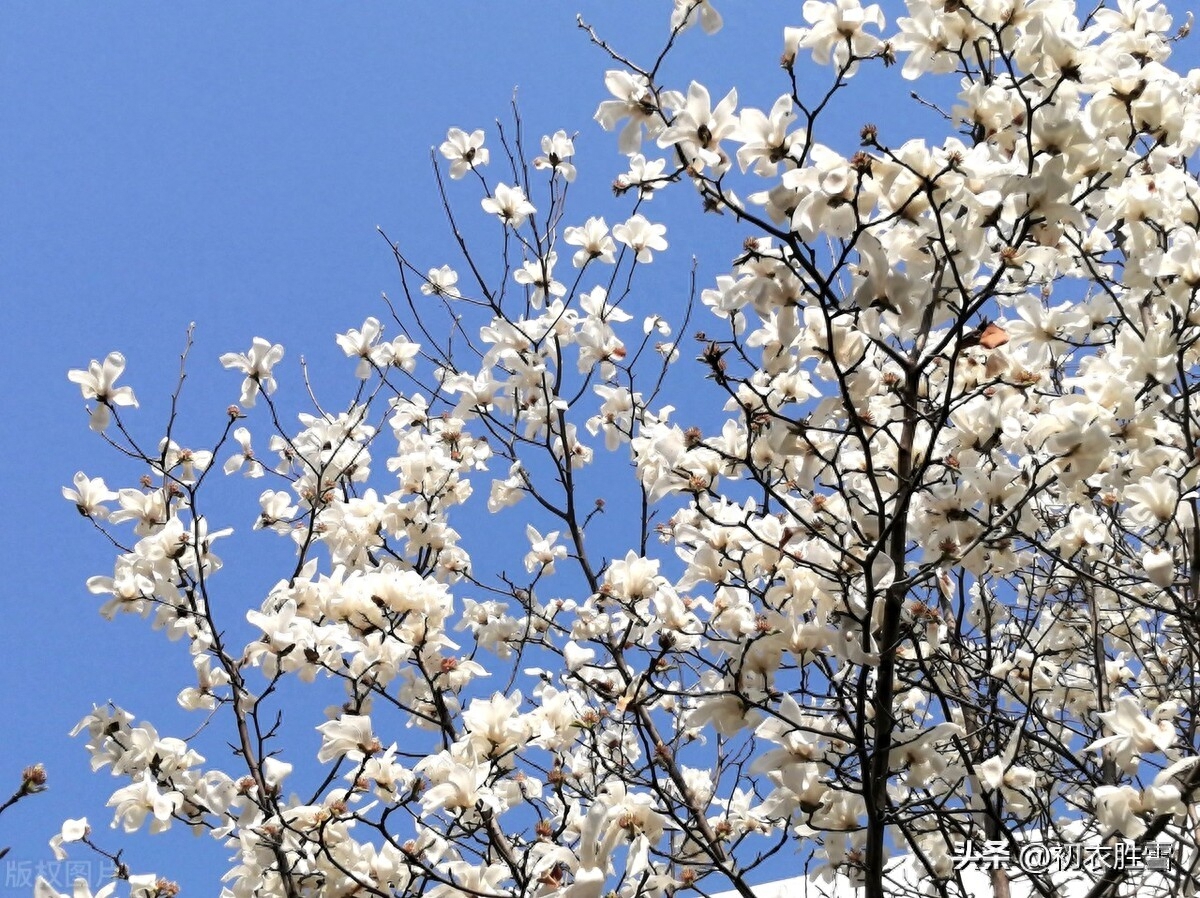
(245, 457)
(698, 128)
(89, 495)
(1015, 782)
(641, 236)
(440, 282)
(465, 151)
(180, 463)
(1159, 566)
(556, 150)
(277, 509)
(145, 797)
(593, 241)
(98, 383)
(363, 344)
(836, 31)
(688, 12)
(543, 551)
(509, 205)
(256, 364)
(72, 831)
(646, 175)
(632, 101)
(1133, 733)
(765, 138)
(457, 786)
(349, 736)
(1124, 809)
(539, 274)
(495, 726)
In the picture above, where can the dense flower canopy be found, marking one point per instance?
(922, 579)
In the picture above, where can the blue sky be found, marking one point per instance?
(228, 165)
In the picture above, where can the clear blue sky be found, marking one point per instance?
(228, 164)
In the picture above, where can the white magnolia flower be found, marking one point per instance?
(1159, 566)
(145, 796)
(633, 101)
(556, 150)
(765, 139)
(593, 241)
(364, 345)
(646, 176)
(698, 128)
(836, 31)
(89, 495)
(256, 364)
(539, 275)
(72, 831)
(509, 205)
(1134, 734)
(543, 551)
(440, 282)
(465, 151)
(245, 457)
(350, 736)
(98, 383)
(641, 236)
(688, 12)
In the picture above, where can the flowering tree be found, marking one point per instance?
(921, 580)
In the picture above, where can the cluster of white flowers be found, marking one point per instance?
(916, 565)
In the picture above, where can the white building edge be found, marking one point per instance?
(907, 878)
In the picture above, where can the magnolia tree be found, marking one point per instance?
(920, 582)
